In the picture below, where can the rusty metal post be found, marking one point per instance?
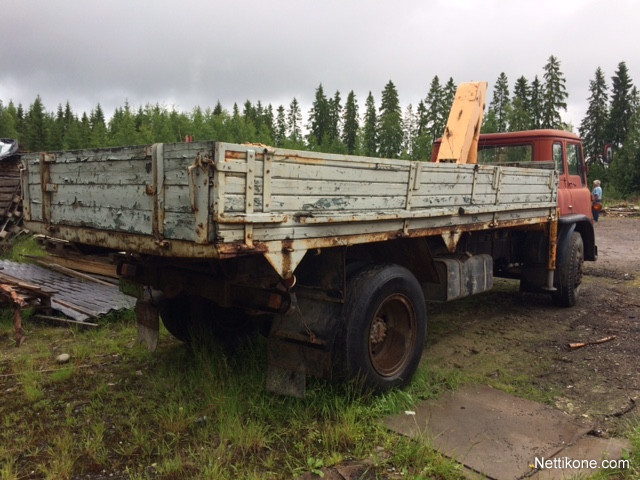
(148, 317)
(553, 250)
(17, 325)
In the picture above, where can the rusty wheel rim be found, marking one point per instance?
(392, 335)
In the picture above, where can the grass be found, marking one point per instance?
(21, 249)
(184, 413)
(116, 409)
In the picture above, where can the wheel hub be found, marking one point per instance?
(378, 331)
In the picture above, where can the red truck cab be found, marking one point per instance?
(548, 148)
(542, 148)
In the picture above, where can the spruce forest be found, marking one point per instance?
(367, 126)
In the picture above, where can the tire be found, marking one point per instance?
(569, 273)
(174, 313)
(385, 322)
(190, 318)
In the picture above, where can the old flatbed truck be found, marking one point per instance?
(335, 254)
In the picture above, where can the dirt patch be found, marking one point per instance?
(519, 342)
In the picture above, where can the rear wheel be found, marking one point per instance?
(174, 313)
(191, 317)
(385, 327)
(569, 273)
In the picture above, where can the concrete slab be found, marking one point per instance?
(585, 457)
(490, 431)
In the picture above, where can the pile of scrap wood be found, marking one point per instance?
(623, 210)
(10, 195)
(79, 297)
(65, 257)
(18, 295)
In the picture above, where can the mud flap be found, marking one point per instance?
(148, 318)
(286, 382)
(564, 238)
(300, 344)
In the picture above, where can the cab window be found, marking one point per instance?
(505, 154)
(557, 157)
(574, 160)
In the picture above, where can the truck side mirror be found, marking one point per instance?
(608, 154)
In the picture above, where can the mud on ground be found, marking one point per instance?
(519, 342)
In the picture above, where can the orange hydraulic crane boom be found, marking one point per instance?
(460, 138)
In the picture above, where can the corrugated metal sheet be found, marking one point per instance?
(76, 298)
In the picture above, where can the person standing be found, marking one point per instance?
(596, 199)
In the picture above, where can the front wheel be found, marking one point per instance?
(569, 273)
(385, 327)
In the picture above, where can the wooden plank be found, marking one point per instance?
(66, 320)
(83, 264)
(237, 185)
(128, 197)
(105, 218)
(73, 273)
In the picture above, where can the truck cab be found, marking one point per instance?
(557, 149)
(552, 148)
(562, 151)
(547, 148)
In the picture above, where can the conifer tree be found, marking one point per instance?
(422, 118)
(422, 140)
(536, 107)
(268, 123)
(294, 122)
(409, 132)
(84, 135)
(625, 170)
(217, 110)
(351, 123)
(98, 127)
(500, 106)
(435, 121)
(280, 129)
(370, 132)
(593, 128)
(9, 121)
(621, 106)
(36, 127)
(319, 119)
(390, 123)
(554, 94)
(519, 117)
(335, 114)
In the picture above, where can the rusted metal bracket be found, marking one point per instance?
(413, 184)
(451, 239)
(474, 184)
(553, 251)
(157, 172)
(497, 182)
(26, 194)
(249, 195)
(285, 261)
(199, 192)
(46, 186)
(267, 168)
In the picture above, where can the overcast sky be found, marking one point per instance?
(187, 53)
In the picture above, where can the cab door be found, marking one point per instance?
(577, 180)
(564, 193)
